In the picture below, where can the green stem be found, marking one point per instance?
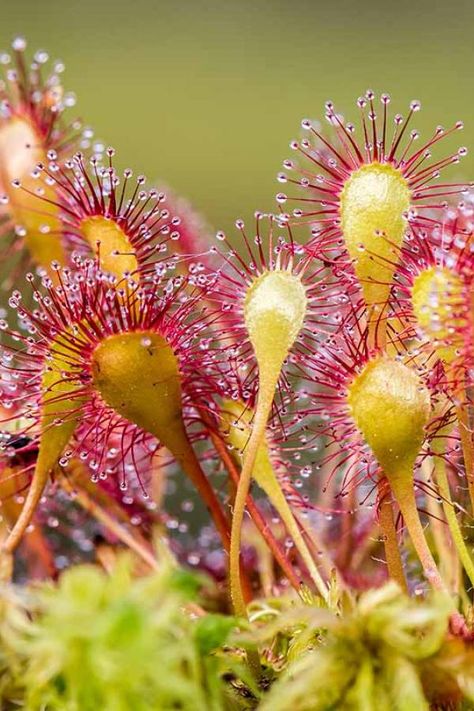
(451, 518)
(53, 441)
(467, 449)
(243, 487)
(447, 556)
(260, 522)
(404, 493)
(32, 500)
(178, 443)
(262, 412)
(278, 500)
(390, 538)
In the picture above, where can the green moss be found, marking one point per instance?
(391, 653)
(115, 643)
(14, 625)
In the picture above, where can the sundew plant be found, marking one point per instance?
(281, 419)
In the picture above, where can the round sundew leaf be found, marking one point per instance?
(274, 312)
(390, 407)
(137, 374)
(373, 202)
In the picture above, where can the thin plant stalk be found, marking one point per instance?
(405, 497)
(451, 518)
(265, 400)
(467, 446)
(257, 517)
(447, 555)
(390, 537)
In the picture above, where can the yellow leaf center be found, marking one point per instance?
(373, 202)
(107, 238)
(439, 306)
(274, 311)
(391, 407)
(137, 374)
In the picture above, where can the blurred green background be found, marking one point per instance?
(206, 94)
